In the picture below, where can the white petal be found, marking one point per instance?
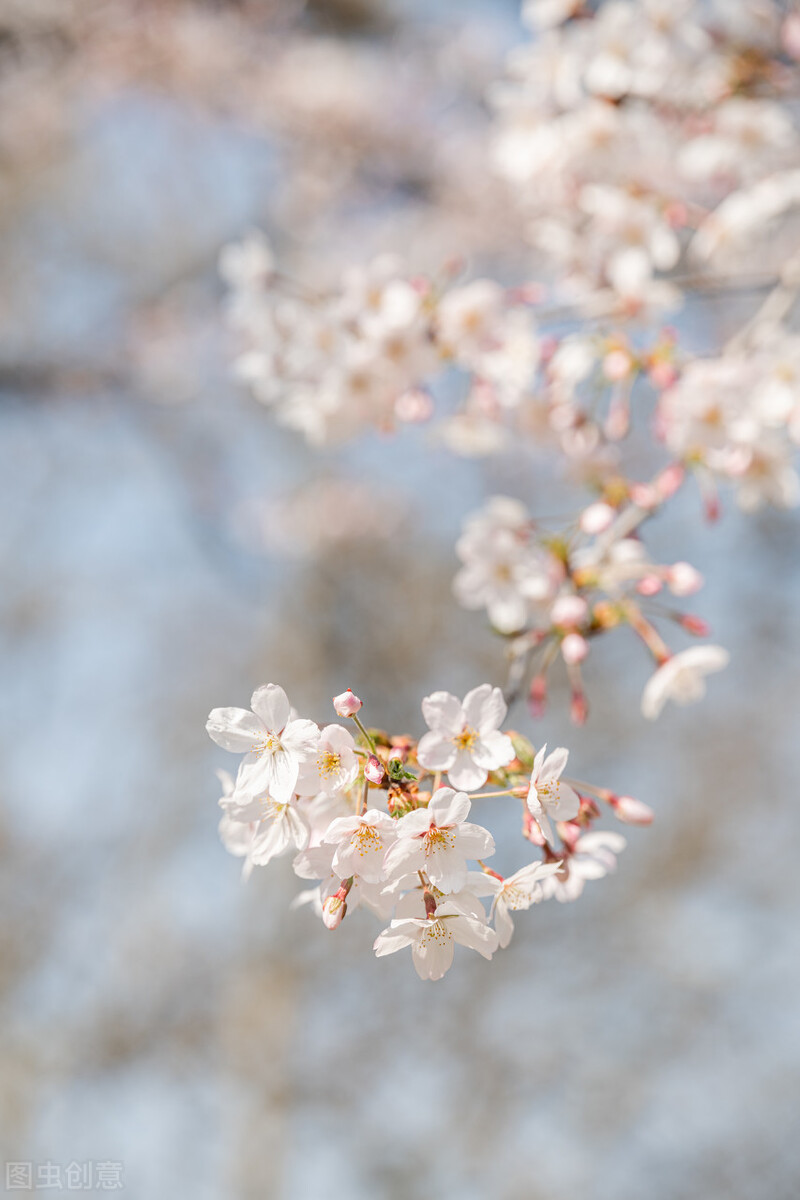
(443, 712)
(490, 709)
(436, 751)
(234, 729)
(448, 807)
(272, 705)
(465, 774)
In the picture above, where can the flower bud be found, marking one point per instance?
(695, 625)
(569, 610)
(597, 517)
(374, 771)
(413, 406)
(578, 708)
(631, 811)
(649, 585)
(683, 579)
(574, 648)
(334, 910)
(537, 697)
(347, 704)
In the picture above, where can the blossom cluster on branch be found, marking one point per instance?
(652, 150)
(371, 821)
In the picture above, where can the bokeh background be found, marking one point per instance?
(165, 549)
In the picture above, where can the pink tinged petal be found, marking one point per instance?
(448, 807)
(540, 817)
(465, 774)
(443, 713)
(302, 739)
(538, 762)
(234, 729)
(314, 863)
(473, 841)
(493, 750)
(272, 705)
(436, 751)
(655, 694)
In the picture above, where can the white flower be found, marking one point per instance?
(335, 766)
(594, 856)
(548, 797)
(273, 745)
(518, 891)
(439, 840)
(433, 939)
(681, 678)
(360, 844)
(237, 838)
(464, 738)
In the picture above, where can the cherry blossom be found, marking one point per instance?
(513, 894)
(593, 856)
(273, 745)
(464, 738)
(361, 843)
(433, 939)
(438, 839)
(682, 678)
(549, 797)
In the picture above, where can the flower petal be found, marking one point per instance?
(436, 751)
(272, 705)
(448, 807)
(234, 729)
(443, 713)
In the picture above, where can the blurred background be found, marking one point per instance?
(166, 548)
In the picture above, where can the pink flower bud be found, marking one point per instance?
(578, 708)
(617, 365)
(649, 585)
(574, 648)
(569, 611)
(683, 579)
(662, 375)
(413, 406)
(537, 697)
(644, 495)
(695, 625)
(597, 518)
(374, 771)
(334, 910)
(632, 812)
(398, 753)
(347, 704)
(670, 480)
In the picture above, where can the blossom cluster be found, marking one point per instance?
(628, 128)
(383, 821)
(552, 594)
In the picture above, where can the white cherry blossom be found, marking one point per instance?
(682, 678)
(273, 745)
(548, 797)
(513, 894)
(438, 839)
(464, 738)
(335, 766)
(433, 939)
(594, 855)
(361, 843)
